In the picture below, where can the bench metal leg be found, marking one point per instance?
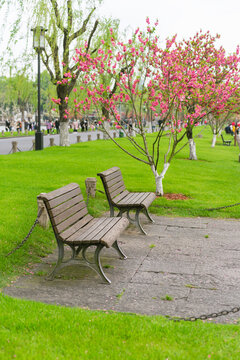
(59, 261)
(116, 246)
(145, 211)
(120, 213)
(138, 222)
(98, 263)
(132, 221)
(111, 211)
(84, 253)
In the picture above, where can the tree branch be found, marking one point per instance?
(135, 157)
(57, 15)
(91, 35)
(54, 48)
(70, 15)
(46, 63)
(83, 28)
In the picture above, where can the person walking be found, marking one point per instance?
(75, 125)
(57, 124)
(49, 126)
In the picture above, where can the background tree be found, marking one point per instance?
(209, 79)
(67, 22)
(217, 120)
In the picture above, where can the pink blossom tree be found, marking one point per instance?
(181, 84)
(209, 80)
(218, 119)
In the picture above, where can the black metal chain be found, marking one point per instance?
(176, 319)
(205, 317)
(222, 207)
(210, 209)
(28, 235)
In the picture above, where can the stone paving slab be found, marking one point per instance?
(184, 267)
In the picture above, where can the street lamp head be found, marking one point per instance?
(39, 38)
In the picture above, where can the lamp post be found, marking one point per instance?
(39, 45)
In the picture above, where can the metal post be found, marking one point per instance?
(39, 134)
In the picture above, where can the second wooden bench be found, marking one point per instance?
(119, 197)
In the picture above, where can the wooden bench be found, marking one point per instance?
(119, 197)
(226, 142)
(72, 225)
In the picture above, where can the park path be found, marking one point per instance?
(183, 267)
(25, 142)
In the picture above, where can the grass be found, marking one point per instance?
(30, 330)
(167, 298)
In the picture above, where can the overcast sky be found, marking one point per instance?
(182, 17)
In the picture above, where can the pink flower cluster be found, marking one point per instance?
(191, 78)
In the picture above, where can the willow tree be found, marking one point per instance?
(67, 22)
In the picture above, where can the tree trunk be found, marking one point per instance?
(238, 140)
(159, 179)
(192, 150)
(64, 135)
(106, 126)
(23, 121)
(214, 139)
(192, 145)
(63, 107)
(133, 130)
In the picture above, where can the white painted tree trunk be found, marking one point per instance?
(106, 126)
(64, 135)
(238, 140)
(131, 130)
(214, 139)
(159, 179)
(150, 127)
(192, 149)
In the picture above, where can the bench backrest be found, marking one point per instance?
(66, 209)
(113, 184)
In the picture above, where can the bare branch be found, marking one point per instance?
(91, 35)
(52, 43)
(70, 15)
(135, 157)
(46, 63)
(57, 15)
(83, 28)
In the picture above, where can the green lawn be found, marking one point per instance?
(36, 331)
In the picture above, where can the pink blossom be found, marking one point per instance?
(56, 101)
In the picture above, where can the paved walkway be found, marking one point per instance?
(195, 263)
(25, 142)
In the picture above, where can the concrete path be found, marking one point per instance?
(25, 142)
(192, 262)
